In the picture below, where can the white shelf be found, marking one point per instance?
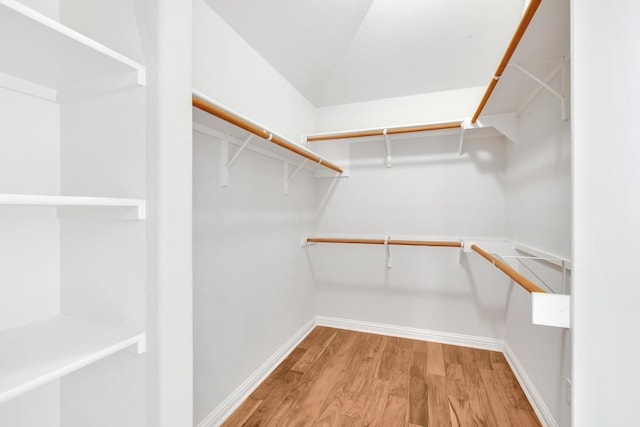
(544, 43)
(60, 201)
(45, 52)
(33, 355)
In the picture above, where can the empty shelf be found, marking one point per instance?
(43, 51)
(33, 355)
(43, 200)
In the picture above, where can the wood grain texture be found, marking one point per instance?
(345, 378)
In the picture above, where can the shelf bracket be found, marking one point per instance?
(224, 156)
(388, 250)
(288, 178)
(545, 85)
(225, 162)
(140, 347)
(506, 124)
(387, 141)
(461, 145)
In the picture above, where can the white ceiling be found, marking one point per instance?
(343, 51)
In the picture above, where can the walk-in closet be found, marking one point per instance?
(318, 213)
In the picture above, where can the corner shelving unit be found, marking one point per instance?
(77, 294)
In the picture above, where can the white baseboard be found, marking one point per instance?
(413, 333)
(540, 408)
(239, 395)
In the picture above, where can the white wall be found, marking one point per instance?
(432, 107)
(227, 69)
(46, 7)
(252, 285)
(165, 28)
(538, 177)
(606, 211)
(430, 191)
(29, 237)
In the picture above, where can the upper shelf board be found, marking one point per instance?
(473, 132)
(41, 50)
(34, 355)
(542, 48)
(219, 128)
(60, 201)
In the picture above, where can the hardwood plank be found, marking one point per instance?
(454, 372)
(373, 414)
(459, 404)
(498, 403)
(418, 390)
(399, 380)
(280, 377)
(389, 357)
(395, 412)
(359, 393)
(295, 397)
(307, 412)
(241, 414)
(480, 407)
(452, 354)
(347, 421)
(524, 418)
(273, 395)
(437, 401)
(334, 405)
(318, 335)
(435, 359)
(420, 346)
(511, 388)
(313, 351)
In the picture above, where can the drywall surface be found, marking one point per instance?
(429, 192)
(539, 216)
(606, 211)
(252, 286)
(539, 178)
(227, 69)
(29, 236)
(29, 247)
(165, 28)
(102, 263)
(49, 8)
(432, 107)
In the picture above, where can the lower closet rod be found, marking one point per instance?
(527, 284)
(383, 241)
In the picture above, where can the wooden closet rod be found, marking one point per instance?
(381, 132)
(242, 123)
(382, 242)
(515, 40)
(527, 284)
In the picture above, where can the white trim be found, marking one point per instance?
(484, 343)
(240, 394)
(542, 411)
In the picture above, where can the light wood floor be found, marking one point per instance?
(344, 378)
